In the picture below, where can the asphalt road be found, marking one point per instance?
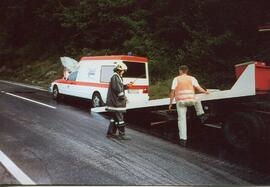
(67, 145)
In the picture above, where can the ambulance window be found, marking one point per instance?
(135, 70)
(73, 76)
(106, 73)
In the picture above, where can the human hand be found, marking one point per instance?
(170, 107)
(130, 84)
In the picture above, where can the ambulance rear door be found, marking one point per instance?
(137, 73)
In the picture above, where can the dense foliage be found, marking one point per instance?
(209, 35)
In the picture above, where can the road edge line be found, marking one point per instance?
(15, 170)
(33, 101)
(24, 85)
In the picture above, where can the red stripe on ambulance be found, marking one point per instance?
(98, 85)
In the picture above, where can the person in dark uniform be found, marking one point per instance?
(116, 103)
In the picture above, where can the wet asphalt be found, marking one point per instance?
(67, 145)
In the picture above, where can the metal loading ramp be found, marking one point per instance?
(249, 83)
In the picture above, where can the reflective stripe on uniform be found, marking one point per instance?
(184, 95)
(116, 108)
(121, 94)
(185, 92)
(121, 124)
(187, 98)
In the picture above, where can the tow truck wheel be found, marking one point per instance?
(55, 93)
(96, 100)
(241, 130)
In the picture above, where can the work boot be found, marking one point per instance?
(183, 142)
(123, 137)
(121, 129)
(111, 129)
(203, 117)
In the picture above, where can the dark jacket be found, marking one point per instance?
(116, 99)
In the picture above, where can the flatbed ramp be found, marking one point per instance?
(149, 104)
(246, 85)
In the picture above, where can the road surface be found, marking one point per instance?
(61, 143)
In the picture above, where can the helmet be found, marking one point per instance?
(121, 66)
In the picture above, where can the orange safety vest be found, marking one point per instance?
(184, 90)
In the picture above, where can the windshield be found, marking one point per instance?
(135, 70)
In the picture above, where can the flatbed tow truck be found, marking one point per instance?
(242, 112)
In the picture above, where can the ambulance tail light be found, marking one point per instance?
(145, 90)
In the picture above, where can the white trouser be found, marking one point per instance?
(182, 119)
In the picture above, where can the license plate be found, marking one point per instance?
(133, 91)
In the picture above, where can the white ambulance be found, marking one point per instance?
(90, 78)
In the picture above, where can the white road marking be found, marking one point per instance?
(33, 101)
(24, 85)
(15, 170)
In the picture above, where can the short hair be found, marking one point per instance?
(183, 68)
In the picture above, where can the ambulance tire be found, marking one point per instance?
(242, 130)
(56, 95)
(96, 100)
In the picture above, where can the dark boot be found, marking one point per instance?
(111, 133)
(203, 118)
(122, 135)
(183, 142)
(114, 129)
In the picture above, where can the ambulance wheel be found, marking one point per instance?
(96, 100)
(55, 93)
(242, 130)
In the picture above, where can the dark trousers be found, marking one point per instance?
(116, 122)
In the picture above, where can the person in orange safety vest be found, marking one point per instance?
(183, 91)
